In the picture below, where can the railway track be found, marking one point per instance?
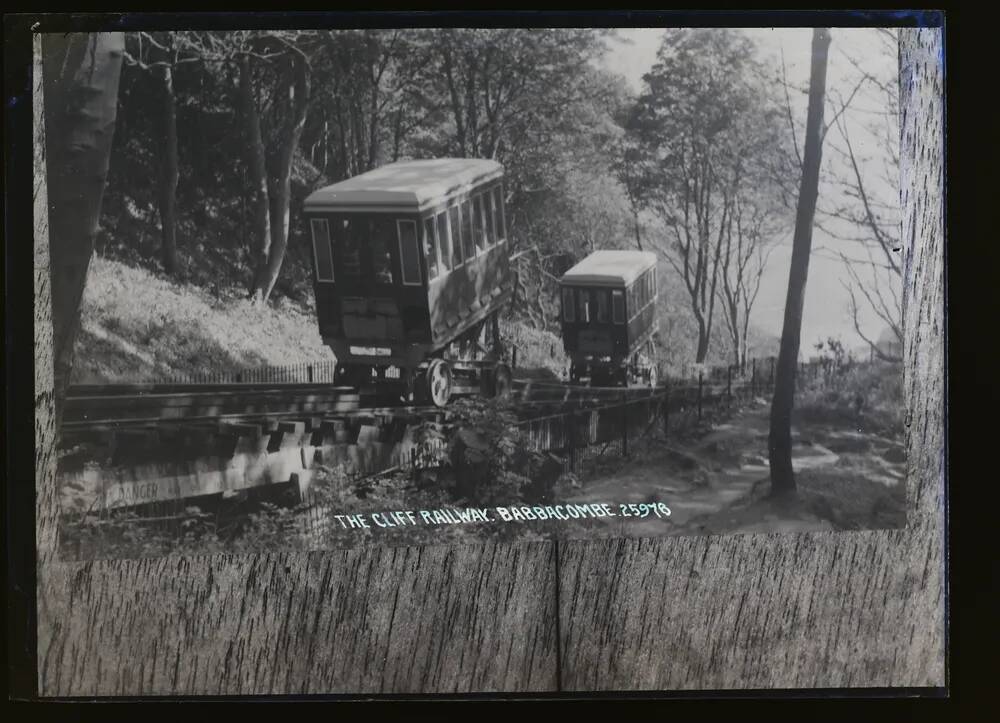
(128, 445)
(121, 406)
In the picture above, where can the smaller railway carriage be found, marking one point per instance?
(608, 315)
(411, 268)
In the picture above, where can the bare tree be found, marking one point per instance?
(749, 233)
(862, 214)
(868, 217)
(780, 438)
(80, 72)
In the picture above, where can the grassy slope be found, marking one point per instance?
(137, 326)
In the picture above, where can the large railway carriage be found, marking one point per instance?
(608, 315)
(411, 269)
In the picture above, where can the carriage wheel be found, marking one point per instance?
(438, 381)
(653, 374)
(501, 381)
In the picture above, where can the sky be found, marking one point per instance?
(827, 303)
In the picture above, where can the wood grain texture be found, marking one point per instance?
(742, 611)
(811, 610)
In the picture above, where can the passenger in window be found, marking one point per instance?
(430, 249)
(348, 238)
(444, 241)
(382, 233)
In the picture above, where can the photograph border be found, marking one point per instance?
(749, 611)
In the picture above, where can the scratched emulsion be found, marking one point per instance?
(742, 611)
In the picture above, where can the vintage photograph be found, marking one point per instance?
(322, 289)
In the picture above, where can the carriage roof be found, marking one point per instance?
(405, 185)
(610, 268)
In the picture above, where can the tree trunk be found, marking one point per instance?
(257, 168)
(80, 75)
(780, 439)
(638, 234)
(702, 350)
(280, 190)
(169, 174)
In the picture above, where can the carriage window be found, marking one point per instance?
(409, 252)
(322, 254)
(456, 237)
(478, 226)
(583, 304)
(618, 306)
(468, 242)
(498, 213)
(347, 236)
(443, 241)
(602, 306)
(490, 214)
(382, 233)
(430, 249)
(567, 302)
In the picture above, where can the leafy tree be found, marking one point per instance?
(704, 136)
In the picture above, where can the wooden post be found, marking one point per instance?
(729, 383)
(701, 379)
(665, 402)
(309, 373)
(570, 419)
(513, 359)
(753, 377)
(624, 425)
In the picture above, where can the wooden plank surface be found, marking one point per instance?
(742, 611)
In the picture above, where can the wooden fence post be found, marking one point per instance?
(666, 407)
(701, 379)
(570, 419)
(624, 425)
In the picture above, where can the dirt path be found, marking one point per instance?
(715, 483)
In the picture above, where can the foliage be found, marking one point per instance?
(489, 461)
(869, 394)
(704, 146)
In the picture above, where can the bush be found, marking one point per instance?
(868, 394)
(489, 460)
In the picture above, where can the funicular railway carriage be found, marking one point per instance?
(608, 314)
(411, 269)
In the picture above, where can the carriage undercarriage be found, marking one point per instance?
(638, 370)
(472, 363)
